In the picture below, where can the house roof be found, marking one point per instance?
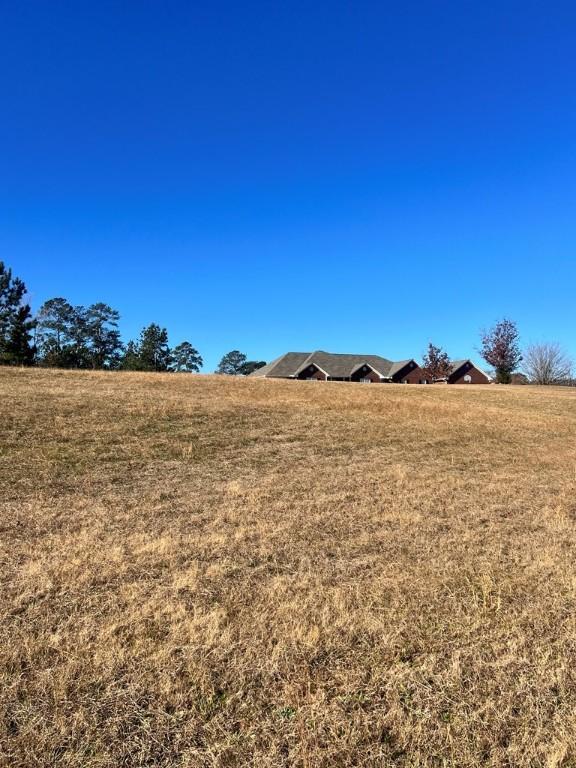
(284, 366)
(337, 366)
(397, 367)
(457, 364)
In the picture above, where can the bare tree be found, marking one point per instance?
(547, 363)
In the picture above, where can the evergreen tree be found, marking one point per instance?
(57, 336)
(76, 337)
(17, 348)
(80, 347)
(131, 359)
(101, 335)
(186, 358)
(250, 366)
(154, 350)
(16, 322)
(232, 363)
(150, 353)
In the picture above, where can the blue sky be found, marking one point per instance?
(273, 176)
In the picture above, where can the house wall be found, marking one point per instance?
(312, 372)
(470, 370)
(410, 375)
(367, 374)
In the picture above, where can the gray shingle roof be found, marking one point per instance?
(455, 365)
(396, 367)
(283, 367)
(338, 366)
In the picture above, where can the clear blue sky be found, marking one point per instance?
(350, 176)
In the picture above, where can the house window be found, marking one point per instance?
(467, 379)
(365, 380)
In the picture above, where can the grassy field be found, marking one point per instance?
(205, 571)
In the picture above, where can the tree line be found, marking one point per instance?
(65, 336)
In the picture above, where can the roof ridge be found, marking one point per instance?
(305, 362)
(270, 367)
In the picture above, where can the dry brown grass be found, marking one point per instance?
(200, 571)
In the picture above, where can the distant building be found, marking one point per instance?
(465, 372)
(326, 366)
(365, 369)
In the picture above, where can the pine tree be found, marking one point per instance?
(102, 336)
(18, 348)
(250, 366)
(58, 332)
(131, 358)
(78, 337)
(186, 358)
(231, 364)
(150, 353)
(16, 322)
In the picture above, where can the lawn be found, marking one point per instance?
(209, 571)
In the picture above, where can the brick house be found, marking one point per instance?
(465, 372)
(326, 366)
(364, 369)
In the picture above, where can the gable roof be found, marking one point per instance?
(397, 367)
(283, 367)
(335, 365)
(457, 364)
(342, 365)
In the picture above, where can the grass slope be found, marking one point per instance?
(203, 571)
